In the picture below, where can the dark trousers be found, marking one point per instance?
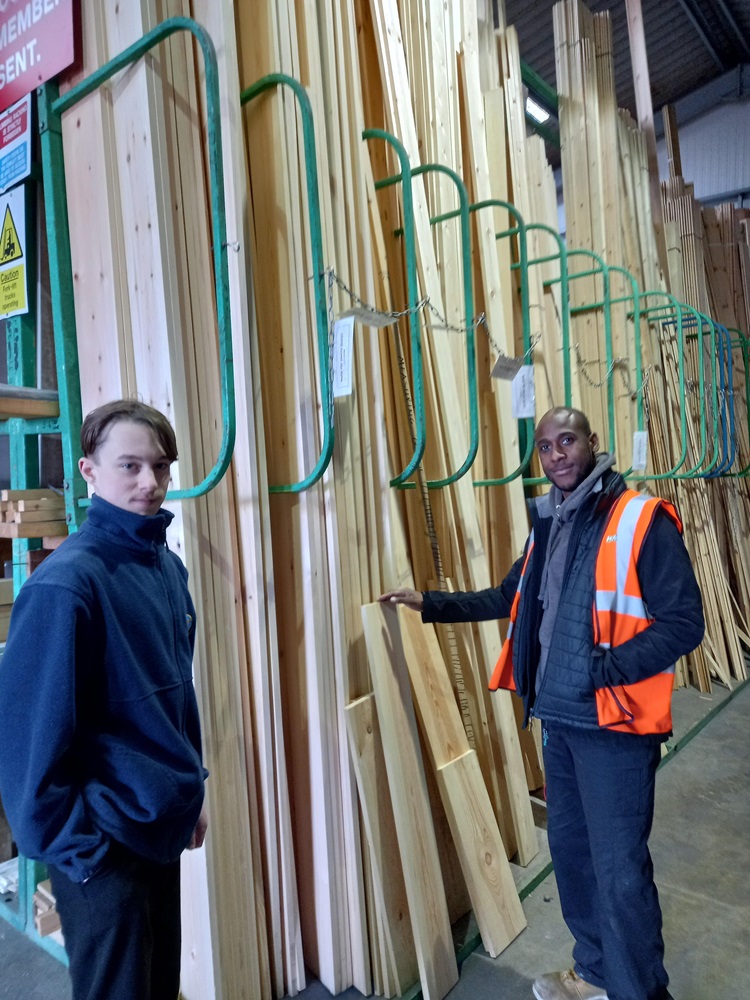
(122, 929)
(600, 807)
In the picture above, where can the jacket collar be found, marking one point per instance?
(541, 508)
(134, 531)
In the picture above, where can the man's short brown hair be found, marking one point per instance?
(97, 423)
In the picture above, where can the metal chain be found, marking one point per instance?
(617, 363)
(424, 303)
(581, 365)
(392, 316)
(625, 376)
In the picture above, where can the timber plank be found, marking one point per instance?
(421, 866)
(475, 831)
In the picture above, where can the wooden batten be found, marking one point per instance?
(388, 886)
(476, 834)
(421, 866)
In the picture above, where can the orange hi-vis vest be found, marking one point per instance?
(619, 614)
(502, 675)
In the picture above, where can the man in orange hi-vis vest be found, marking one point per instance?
(602, 603)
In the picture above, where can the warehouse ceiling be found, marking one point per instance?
(690, 43)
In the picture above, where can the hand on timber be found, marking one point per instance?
(409, 598)
(199, 833)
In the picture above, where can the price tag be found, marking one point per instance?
(522, 393)
(640, 450)
(506, 367)
(342, 360)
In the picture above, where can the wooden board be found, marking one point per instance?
(438, 972)
(475, 830)
(389, 885)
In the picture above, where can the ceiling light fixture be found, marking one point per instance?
(536, 111)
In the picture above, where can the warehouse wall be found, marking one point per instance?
(715, 150)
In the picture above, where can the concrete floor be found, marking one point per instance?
(701, 850)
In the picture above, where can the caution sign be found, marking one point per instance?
(13, 298)
(10, 245)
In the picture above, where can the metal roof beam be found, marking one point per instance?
(696, 18)
(721, 8)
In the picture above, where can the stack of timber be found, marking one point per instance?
(608, 212)
(339, 544)
(32, 514)
(707, 266)
(146, 327)
(595, 214)
(531, 188)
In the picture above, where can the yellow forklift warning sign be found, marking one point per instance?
(13, 300)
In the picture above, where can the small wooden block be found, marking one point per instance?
(44, 889)
(47, 922)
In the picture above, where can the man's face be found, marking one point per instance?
(566, 451)
(129, 468)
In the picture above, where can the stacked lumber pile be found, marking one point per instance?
(606, 194)
(146, 327)
(32, 514)
(341, 543)
(597, 217)
(366, 790)
(707, 259)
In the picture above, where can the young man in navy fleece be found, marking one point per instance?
(101, 771)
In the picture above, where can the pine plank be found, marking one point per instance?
(429, 915)
(464, 794)
(380, 825)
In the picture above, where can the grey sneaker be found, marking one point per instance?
(566, 986)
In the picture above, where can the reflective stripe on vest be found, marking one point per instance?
(620, 614)
(502, 675)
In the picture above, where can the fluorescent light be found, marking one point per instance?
(536, 111)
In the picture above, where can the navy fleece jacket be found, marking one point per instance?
(100, 738)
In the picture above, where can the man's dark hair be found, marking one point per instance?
(97, 423)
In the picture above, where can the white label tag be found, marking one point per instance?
(369, 317)
(342, 360)
(522, 392)
(506, 367)
(640, 450)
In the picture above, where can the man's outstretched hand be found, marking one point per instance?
(409, 598)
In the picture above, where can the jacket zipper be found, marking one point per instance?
(577, 524)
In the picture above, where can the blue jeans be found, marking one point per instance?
(600, 807)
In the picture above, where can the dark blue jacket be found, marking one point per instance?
(100, 738)
(575, 668)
